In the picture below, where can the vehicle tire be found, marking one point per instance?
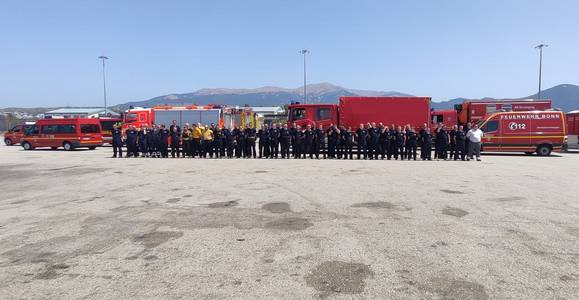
(26, 146)
(92, 147)
(544, 150)
(67, 146)
(529, 153)
(8, 142)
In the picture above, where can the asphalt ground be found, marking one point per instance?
(83, 225)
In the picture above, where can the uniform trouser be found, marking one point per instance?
(216, 147)
(371, 150)
(134, 150)
(153, 148)
(117, 147)
(273, 148)
(223, 147)
(362, 150)
(441, 151)
(196, 147)
(332, 149)
(239, 148)
(310, 149)
(174, 149)
(426, 151)
(466, 146)
(250, 148)
(285, 145)
(384, 150)
(451, 150)
(347, 151)
(474, 150)
(398, 151)
(186, 148)
(391, 148)
(322, 148)
(316, 148)
(296, 146)
(143, 148)
(263, 148)
(206, 148)
(164, 149)
(411, 151)
(459, 151)
(230, 147)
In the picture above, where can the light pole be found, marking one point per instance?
(304, 52)
(540, 47)
(103, 58)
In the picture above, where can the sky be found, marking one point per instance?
(443, 49)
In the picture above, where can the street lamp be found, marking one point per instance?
(103, 58)
(304, 52)
(540, 47)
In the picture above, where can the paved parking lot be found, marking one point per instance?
(82, 225)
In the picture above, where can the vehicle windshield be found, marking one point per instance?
(129, 118)
(298, 114)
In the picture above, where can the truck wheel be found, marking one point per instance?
(26, 146)
(544, 150)
(8, 142)
(67, 146)
(92, 147)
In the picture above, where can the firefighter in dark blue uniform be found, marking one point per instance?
(284, 141)
(348, 143)
(175, 138)
(250, 137)
(310, 136)
(361, 139)
(425, 143)
(399, 143)
(230, 140)
(153, 141)
(300, 143)
(384, 142)
(333, 141)
(452, 142)
(374, 141)
(164, 141)
(441, 142)
(117, 141)
(263, 135)
(132, 150)
(460, 138)
(142, 141)
(274, 141)
(239, 142)
(293, 132)
(411, 143)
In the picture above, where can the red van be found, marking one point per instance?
(66, 133)
(529, 132)
(573, 129)
(13, 136)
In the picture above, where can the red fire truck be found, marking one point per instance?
(573, 129)
(529, 132)
(474, 110)
(353, 111)
(192, 114)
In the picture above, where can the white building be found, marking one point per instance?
(79, 113)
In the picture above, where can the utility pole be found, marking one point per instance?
(103, 58)
(540, 47)
(304, 52)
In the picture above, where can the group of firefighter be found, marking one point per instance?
(371, 140)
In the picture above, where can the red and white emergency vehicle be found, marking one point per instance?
(531, 131)
(573, 129)
(67, 133)
(475, 110)
(13, 136)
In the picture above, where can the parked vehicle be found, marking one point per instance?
(67, 133)
(352, 111)
(573, 129)
(475, 110)
(13, 136)
(533, 131)
(192, 114)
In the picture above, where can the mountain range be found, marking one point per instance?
(564, 96)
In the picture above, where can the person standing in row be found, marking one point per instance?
(186, 141)
(117, 141)
(348, 143)
(274, 141)
(320, 141)
(475, 138)
(230, 142)
(399, 143)
(460, 138)
(196, 136)
(263, 136)
(239, 141)
(361, 137)
(142, 141)
(425, 143)
(333, 141)
(285, 141)
(411, 143)
(164, 141)
(132, 142)
(175, 138)
(466, 129)
(452, 142)
(152, 137)
(441, 142)
(385, 142)
(207, 139)
(309, 137)
(250, 137)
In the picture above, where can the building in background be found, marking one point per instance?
(79, 113)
